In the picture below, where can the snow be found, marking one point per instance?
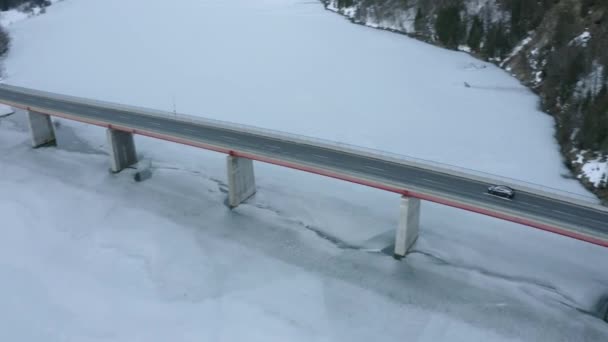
(348, 12)
(352, 94)
(464, 48)
(581, 39)
(595, 170)
(517, 49)
(12, 16)
(15, 15)
(332, 5)
(87, 255)
(166, 260)
(486, 9)
(592, 83)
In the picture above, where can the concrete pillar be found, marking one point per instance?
(41, 129)
(121, 148)
(407, 231)
(241, 180)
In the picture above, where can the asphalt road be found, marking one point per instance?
(569, 215)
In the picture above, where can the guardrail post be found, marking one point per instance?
(241, 180)
(121, 148)
(407, 230)
(41, 129)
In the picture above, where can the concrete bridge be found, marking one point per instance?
(414, 180)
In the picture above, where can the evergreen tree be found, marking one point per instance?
(345, 3)
(497, 44)
(602, 114)
(419, 22)
(585, 7)
(475, 34)
(503, 45)
(603, 91)
(449, 26)
(517, 31)
(526, 15)
(586, 101)
(588, 136)
(575, 68)
(8, 4)
(594, 132)
(564, 28)
(489, 46)
(563, 129)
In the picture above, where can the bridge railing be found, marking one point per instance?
(439, 167)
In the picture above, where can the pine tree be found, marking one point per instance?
(419, 22)
(587, 101)
(594, 132)
(563, 29)
(575, 68)
(603, 91)
(345, 3)
(564, 128)
(602, 117)
(585, 7)
(449, 26)
(475, 34)
(503, 45)
(497, 43)
(489, 46)
(517, 31)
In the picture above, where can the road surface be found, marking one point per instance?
(572, 218)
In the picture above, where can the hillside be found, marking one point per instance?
(13, 10)
(558, 49)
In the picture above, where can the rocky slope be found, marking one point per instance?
(557, 48)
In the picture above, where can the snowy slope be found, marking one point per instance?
(15, 15)
(97, 256)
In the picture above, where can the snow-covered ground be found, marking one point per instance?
(6, 110)
(15, 15)
(91, 256)
(594, 170)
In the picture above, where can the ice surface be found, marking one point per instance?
(5, 110)
(86, 255)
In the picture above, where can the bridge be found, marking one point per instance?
(413, 179)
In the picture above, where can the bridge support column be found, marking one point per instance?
(241, 180)
(407, 231)
(121, 148)
(41, 129)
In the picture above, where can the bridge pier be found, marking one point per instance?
(121, 148)
(241, 180)
(41, 129)
(407, 230)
